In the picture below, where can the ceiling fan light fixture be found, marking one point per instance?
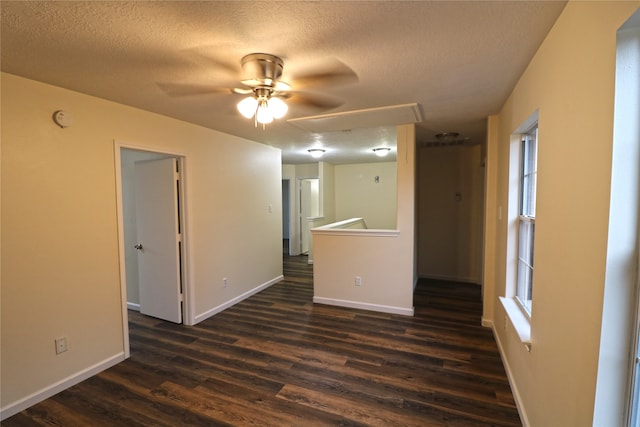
(277, 107)
(248, 106)
(263, 114)
(264, 107)
(316, 152)
(381, 151)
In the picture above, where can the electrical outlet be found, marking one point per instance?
(61, 345)
(225, 282)
(358, 281)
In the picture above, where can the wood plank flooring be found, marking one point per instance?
(276, 359)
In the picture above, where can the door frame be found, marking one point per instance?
(288, 212)
(187, 291)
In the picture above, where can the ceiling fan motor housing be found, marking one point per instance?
(261, 69)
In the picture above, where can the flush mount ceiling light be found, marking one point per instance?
(316, 152)
(381, 151)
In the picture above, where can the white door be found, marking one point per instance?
(158, 228)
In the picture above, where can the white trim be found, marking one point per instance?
(55, 388)
(364, 306)
(354, 232)
(215, 310)
(518, 319)
(346, 223)
(487, 323)
(512, 383)
(121, 252)
(133, 306)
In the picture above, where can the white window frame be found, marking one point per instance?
(519, 314)
(526, 218)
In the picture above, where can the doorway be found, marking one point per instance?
(450, 189)
(142, 288)
(309, 208)
(286, 217)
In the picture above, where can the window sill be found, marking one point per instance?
(520, 322)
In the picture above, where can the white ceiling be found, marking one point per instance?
(458, 60)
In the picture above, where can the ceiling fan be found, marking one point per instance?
(260, 80)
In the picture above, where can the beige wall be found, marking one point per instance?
(570, 81)
(60, 262)
(327, 192)
(357, 195)
(450, 191)
(384, 260)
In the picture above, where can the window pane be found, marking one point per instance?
(532, 237)
(526, 196)
(525, 261)
(523, 242)
(532, 195)
(522, 279)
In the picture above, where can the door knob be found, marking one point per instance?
(138, 246)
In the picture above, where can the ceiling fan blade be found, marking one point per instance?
(190, 89)
(207, 56)
(242, 91)
(333, 73)
(312, 100)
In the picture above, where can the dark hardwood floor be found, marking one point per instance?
(277, 359)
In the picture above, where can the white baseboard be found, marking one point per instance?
(215, 310)
(364, 306)
(133, 306)
(514, 388)
(47, 392)
(487, 323)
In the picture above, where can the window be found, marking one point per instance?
(527, 217)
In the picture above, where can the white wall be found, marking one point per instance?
(450, 193)
(570, 81)
(60, 261)
(357, 195)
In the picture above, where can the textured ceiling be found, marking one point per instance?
(458, 60)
